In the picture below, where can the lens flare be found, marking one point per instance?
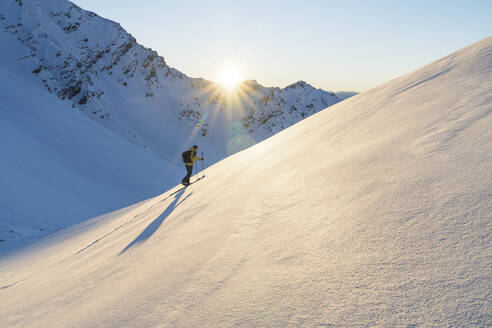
(238, 143)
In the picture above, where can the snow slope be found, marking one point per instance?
(58, 166)
(376, 212)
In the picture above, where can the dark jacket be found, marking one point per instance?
(193, 157)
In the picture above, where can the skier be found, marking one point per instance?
(189, 158)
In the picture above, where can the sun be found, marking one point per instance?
(230, 77)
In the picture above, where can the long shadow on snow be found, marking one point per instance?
(154, 225)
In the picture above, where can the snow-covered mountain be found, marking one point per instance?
(58, 166)
(92, 121)
(100, 69)
(375, 213)
(345, 94)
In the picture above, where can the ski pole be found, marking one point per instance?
(203, 166)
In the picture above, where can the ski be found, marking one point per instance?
(184, 187)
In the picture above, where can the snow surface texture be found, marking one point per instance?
(374, 213)
(92, 121)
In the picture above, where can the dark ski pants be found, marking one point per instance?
(189, 172)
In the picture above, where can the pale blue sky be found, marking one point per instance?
(333, 45)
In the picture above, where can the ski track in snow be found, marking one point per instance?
(135, 218)
(12, 284)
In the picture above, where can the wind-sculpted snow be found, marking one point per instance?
(375, 213)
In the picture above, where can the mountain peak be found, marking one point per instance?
(300, 84)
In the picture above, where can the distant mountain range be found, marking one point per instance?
(100, 69)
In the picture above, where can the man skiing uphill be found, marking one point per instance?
(189, 158)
